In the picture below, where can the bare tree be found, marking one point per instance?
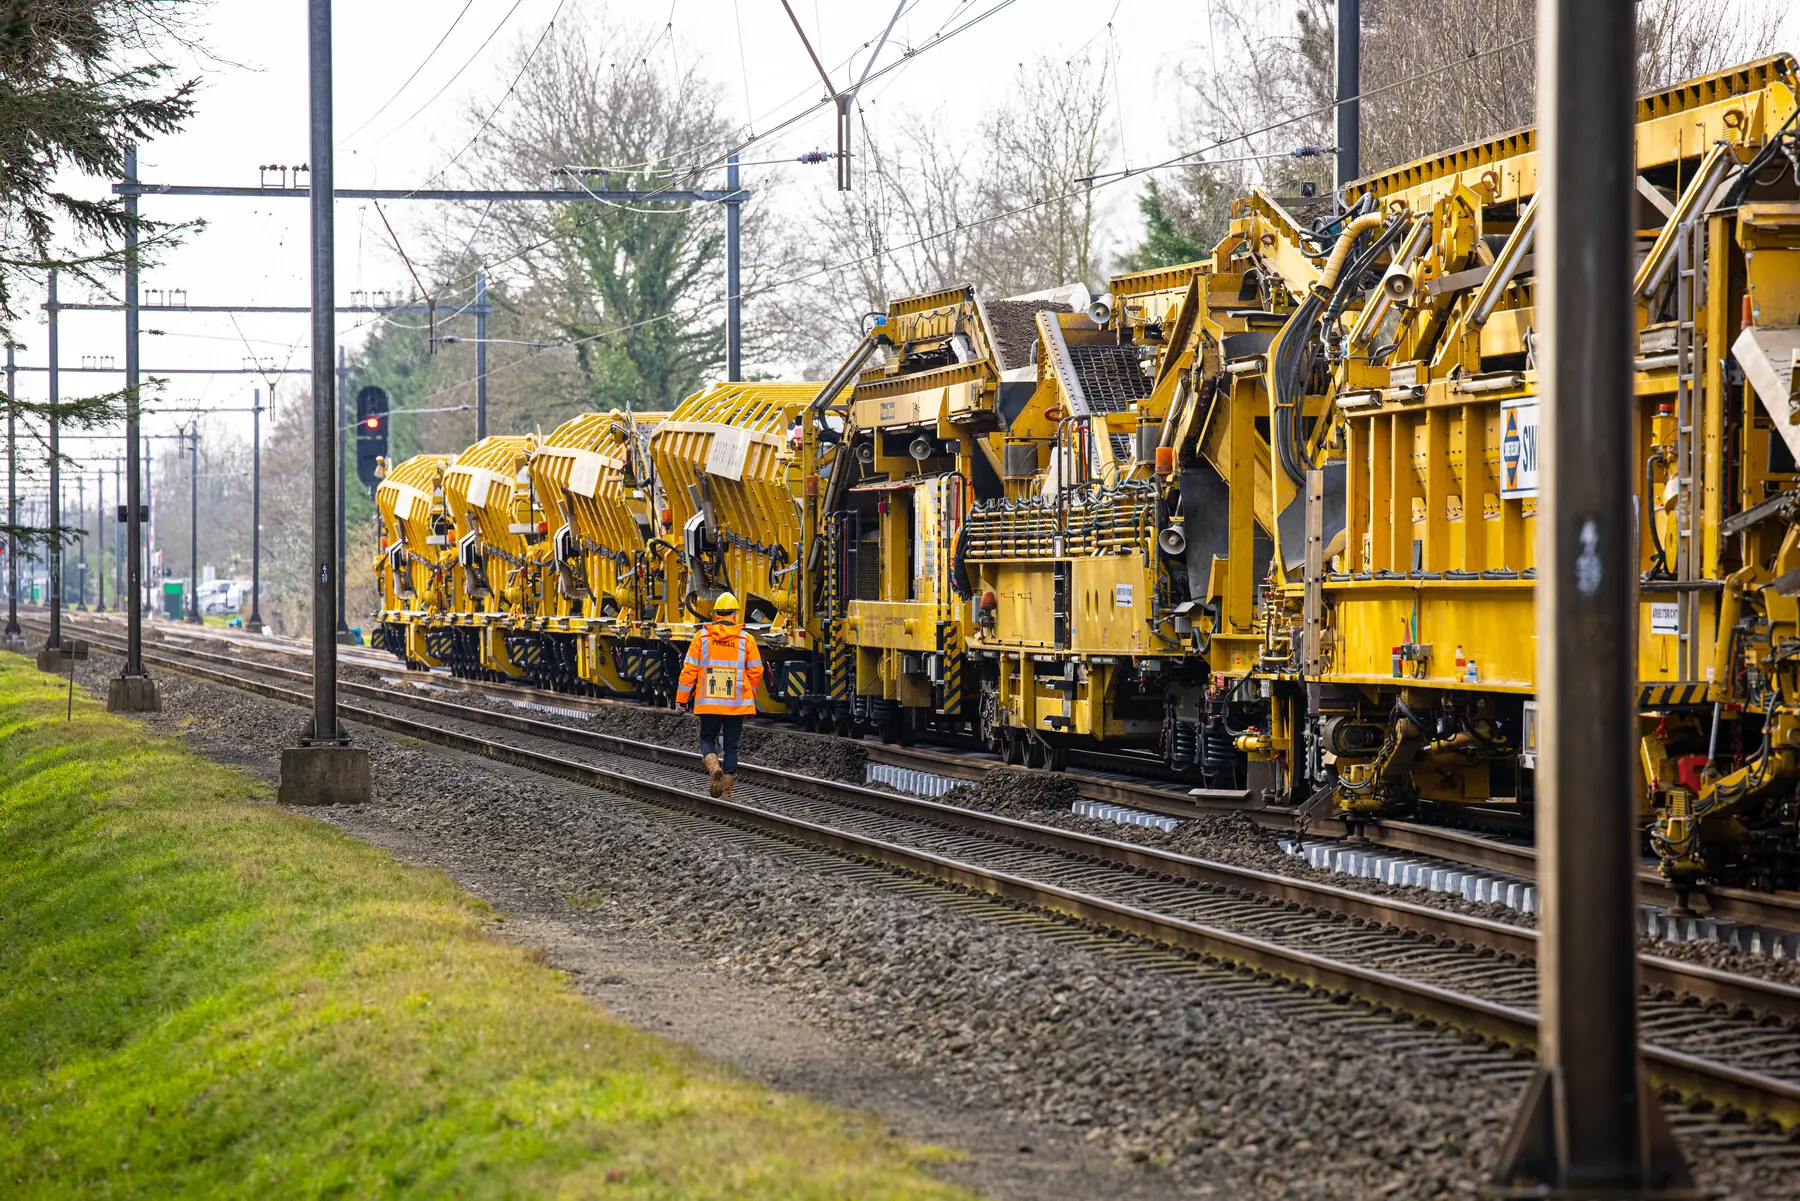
(1434, 75)
(1011, 217)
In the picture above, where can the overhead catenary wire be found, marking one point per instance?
(977, 223)
(492, 34)
(429, 55)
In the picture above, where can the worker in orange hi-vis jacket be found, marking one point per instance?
(720, 676)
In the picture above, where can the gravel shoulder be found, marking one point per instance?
(1123, 1080)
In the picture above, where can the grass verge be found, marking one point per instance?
(201, 995)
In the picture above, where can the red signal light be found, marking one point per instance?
(373, 423)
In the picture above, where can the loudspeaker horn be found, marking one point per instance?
(1172, 541)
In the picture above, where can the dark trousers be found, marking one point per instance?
(721, 727)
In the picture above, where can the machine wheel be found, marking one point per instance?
(1012, 747)
(1056, 756)
(1034, 751)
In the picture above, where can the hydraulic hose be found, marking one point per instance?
(1288, 354)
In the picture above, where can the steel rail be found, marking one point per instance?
(1781, 910)
(1659, 974)
(1751, 1091)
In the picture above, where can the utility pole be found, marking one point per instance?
(132, 690)
(1588, 1125)
(1349, 88)
(481, 311)
(15, 637)
(324, 769)
(100, 536)
(734, 328)
(193, 605)
(256, 621)
(50, 658)
(81, 567)
(119, 540)
(343, 435)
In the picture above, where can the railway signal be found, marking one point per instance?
(371, 433)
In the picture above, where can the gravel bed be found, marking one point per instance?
(1220, 1095)
(1044, 797)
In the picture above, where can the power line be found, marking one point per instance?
(434, 96)
(468, 4)
(498, 105)
(1016, 210)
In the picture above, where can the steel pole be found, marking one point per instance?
(149, 529)
(100, 537)
(734, 316)
(1588, 1125)
(481, 306)
(256, 621)
(1349, 88)
(324, 395)
(81, 567)
(12, 502)
(343, 467)
(137, 487)
(193, 605)
(55, 563)
(119, 538)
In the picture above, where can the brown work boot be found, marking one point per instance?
(710, 765)
(725, 788)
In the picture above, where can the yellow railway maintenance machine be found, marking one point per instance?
(729, 463)
(496, 573)
(593, 486)
(1398, 395)
(909, 454)
(412, 570)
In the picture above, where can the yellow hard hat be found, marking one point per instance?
(726, 603)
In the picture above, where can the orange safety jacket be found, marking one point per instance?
(724, 663)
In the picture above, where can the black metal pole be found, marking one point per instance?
(734, 325)
(325, 400)
(256, 621)
(150, 600)
(81, 567)
(12, 504)
(100, 537)
(1588, 1124)
(324, 769)
(343, 422)
(119, 539)
(481, 308)
(137, 487)
(1349, 87)
(55, 556)
(193, 605)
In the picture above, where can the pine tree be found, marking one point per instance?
(78, 83)
(1164, 244)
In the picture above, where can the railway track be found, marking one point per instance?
(1509, 856)
(1727, 1039)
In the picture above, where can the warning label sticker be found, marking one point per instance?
(1518, 448)
(1665, 617)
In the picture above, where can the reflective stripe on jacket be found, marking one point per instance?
(722, 670)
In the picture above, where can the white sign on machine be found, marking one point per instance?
(1665, 617)
(1518, 448)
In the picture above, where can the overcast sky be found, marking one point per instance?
(253, 110)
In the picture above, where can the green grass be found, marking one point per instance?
(201, 995)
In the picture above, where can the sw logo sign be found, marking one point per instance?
(1518, 448)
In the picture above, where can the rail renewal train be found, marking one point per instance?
(1269, 516)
